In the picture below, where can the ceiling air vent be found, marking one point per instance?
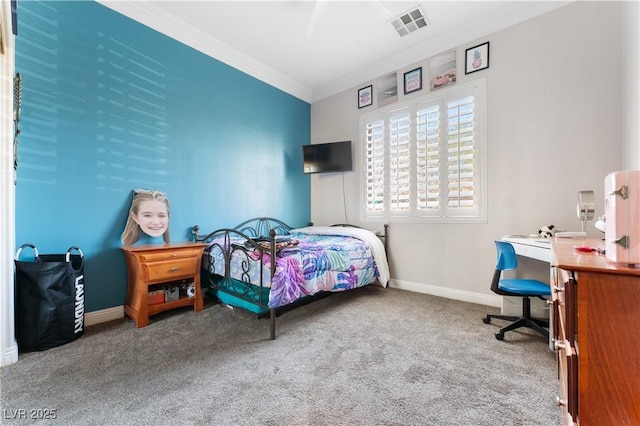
(410, 21)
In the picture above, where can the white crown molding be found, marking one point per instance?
(513, 13)
(155, 18)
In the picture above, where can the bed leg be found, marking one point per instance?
(273, 324)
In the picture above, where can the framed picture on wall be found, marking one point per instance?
(413, 81)
(365, 96)
(476, 58)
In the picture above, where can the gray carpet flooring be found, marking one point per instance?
(371, 356)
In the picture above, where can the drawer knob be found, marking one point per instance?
(558, 289)
(558, 344)
(560, 402)
(175, 269)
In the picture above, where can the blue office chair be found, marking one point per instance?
(524, 288)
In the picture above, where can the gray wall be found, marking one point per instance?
(554, 127)
(630, 71)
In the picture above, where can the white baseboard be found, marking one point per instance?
(9, 355)
(103, 315)
(464, 296)
(117, 312)
(110, 314)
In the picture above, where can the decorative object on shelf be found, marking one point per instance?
(155, 296)
(365, 96)
(442, 69)
(189, 289)
(171, 293)
(387, 87)
(476, 58)
(413, 81)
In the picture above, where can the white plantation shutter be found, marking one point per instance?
(460, 149)
(374, 142)
(428, 158)
(425, 161)
(399, 163)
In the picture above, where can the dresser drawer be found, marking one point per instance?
(171, 269)
(568, 386)
(563, 375)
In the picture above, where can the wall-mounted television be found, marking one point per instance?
(327, 157)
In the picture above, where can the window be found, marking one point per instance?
(425, 160)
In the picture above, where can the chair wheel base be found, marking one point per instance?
(486, 320)
(499, 336)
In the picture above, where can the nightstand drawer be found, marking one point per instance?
(170, 255)
(176, 268)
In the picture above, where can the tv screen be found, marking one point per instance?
(327, 157)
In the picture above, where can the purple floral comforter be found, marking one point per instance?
(316, 263)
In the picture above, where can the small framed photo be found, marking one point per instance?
(413, 81)
(365, 96)
(476, 58)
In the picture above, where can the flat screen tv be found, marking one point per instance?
(327, 157)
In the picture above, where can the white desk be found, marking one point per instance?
(534, 248)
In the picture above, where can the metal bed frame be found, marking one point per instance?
(252, 232)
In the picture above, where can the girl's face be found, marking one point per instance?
(152, 217)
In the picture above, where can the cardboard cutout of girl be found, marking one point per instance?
(149, 214)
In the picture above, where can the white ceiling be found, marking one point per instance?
(316, 48)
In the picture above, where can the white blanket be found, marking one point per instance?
(377, 248)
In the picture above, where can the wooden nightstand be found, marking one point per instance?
(152, 265)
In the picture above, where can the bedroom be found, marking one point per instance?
(548, 147)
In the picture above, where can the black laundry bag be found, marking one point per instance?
(49, 299)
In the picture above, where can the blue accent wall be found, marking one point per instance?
(110, 105)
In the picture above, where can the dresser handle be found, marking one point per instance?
(558, 289)
(558, 344)
(175, 269)
(560, 402)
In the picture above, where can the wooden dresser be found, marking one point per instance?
(157, 266)
(596, 320)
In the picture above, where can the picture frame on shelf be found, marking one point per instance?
(387, 89)
(476, 58)
(442, 70)
(413, 81)
(365, 96)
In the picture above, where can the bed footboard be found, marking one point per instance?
(248, 255)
